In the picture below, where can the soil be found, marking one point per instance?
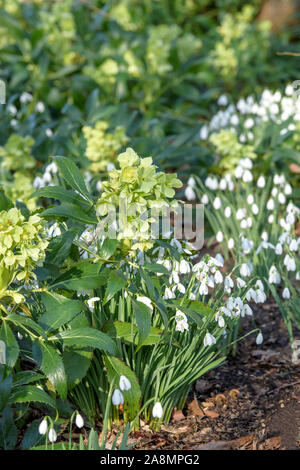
(252, 402)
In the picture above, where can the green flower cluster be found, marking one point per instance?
(159, 47)
(142, 189)
(230, 150)
(22, 247)
(18, 163)
(16, 154)
(241, 43)
(103, 147)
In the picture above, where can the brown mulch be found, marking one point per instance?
(252, 402)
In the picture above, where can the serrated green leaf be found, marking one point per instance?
(29, 393)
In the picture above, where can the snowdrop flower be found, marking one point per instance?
(246, 310)
(217, 203)
(184, 267)
(204, 199)
(289, 91)
(241, 214)
(251, 295)
(43, 427)
(255, 209)
(247, 245)
(190, 193)
(249, 222)
(230, 243)
(290, 218)
(228, 284)
(223, 184)
(286, 293)
(287, 189)
(293, 245)
(223, 100)
(181, 321)
(209, 340)
(203, 288)
(117, 398)
(168, 294)
(245, 270)
(12, 110)
(250, 199)
(244, 224)
(52, 435)
(227, 212)
(274, 276)
(218, 277)
(146, 301)
(124, 383)
(259, 338)
(48, 132)
(181, 288)
(220, 259)
(204, 132)
(271, 218)
(91, 303)
(260, 296)
(238, 172)
(289, 262)
(40, 107)
(14, 123)
(25, 97)
(270, 205)
(176, 244)
(278, 249)
(249, 123)
(281, 198)
(157, 410)
(240, 283)
(247, 176)
(219, 236)
(79, 421)
(261, 182)
(274, 192)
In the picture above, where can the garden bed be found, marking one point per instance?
(252, 402)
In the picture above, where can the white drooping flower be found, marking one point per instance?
(247, 245)
(246, 310)
(124, 383)
(286, 293)
(184, 267)
(205, 199)
(293, 245)
(278, 249)
(290, 263)
(43, 427)
(117, 398)
(220, 259)
(274, 276)
(228, 284)
(247, 176)
(217, 203)
(255, 209)
(79, 421)
(209, 340)
(91, 303)
(270, 205)
(250, 199)
(52, 435)
(169, 294)
(245, 270)
(261, 182)
(227, 212)
(241, 214)
(189, 193)
(219, 236)
(230, 243)
(240, 283)
(181, 321)
(259, 338)
(157, 410)
(218, 277)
